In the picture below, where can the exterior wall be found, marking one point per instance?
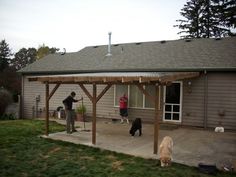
(221, 99)
(193, 102)
(105, 106)
(32, 89)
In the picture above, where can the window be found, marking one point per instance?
(136, 98)
(119, 91)
(151, 90)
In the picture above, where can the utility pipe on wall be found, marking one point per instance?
(205, 99)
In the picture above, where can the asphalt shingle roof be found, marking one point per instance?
(176, 55)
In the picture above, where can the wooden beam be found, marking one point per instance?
(151, 98)
(144, 79)
(103, 92)
(114, 79)
(161, 78)
(53, 91)
(156, 122)
(81, 79)
(95, 79)
(151, 79)
(33, 79)
(94, 114)
(47, 108)
(178, 76)
(130, 79)
(86, 92)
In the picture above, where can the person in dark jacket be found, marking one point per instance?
(70, 114)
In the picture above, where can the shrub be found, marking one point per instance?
(7, 117)
(5, 100)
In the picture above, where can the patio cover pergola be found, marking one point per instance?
(158, 79)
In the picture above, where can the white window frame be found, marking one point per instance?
(143, 106)
(180, 104)
(114, 98)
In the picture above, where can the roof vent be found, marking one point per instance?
(122, 49)
(95, 46)
(116, 45)
(109, 45)
(162, 42)
(187, 40)
(64, 51)
(138, 43)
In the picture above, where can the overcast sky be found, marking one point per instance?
(75, 24)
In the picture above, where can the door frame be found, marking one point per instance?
(180, 104)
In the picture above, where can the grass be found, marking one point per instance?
(23, 153)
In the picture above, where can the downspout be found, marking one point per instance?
(22, 97)
(205, 99)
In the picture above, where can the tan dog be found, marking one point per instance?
(165, 152)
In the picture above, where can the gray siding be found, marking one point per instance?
(193, 102)
(221, 98)
(105, 106)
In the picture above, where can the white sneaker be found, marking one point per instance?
(127, 121)
(121, 121)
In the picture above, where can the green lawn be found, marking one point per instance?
(24, 153)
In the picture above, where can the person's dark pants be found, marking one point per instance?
(70, 121)
(123, 112)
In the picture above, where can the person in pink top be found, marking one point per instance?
(123, 108)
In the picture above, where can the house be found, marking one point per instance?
(198, 78)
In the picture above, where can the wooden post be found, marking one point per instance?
(156, 122)
(94, 114)
(94, 99)
(47, 107)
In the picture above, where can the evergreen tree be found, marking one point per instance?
(226, 12)
(191, 26)
(5, 54)
(207, 18)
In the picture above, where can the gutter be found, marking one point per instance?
(130, 70)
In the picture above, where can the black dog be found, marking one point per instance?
(136, 125)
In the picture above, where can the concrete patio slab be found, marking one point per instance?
(191, 145)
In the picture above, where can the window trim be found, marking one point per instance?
(180, 104)
(144, 97)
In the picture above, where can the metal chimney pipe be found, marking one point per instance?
(109, 45)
